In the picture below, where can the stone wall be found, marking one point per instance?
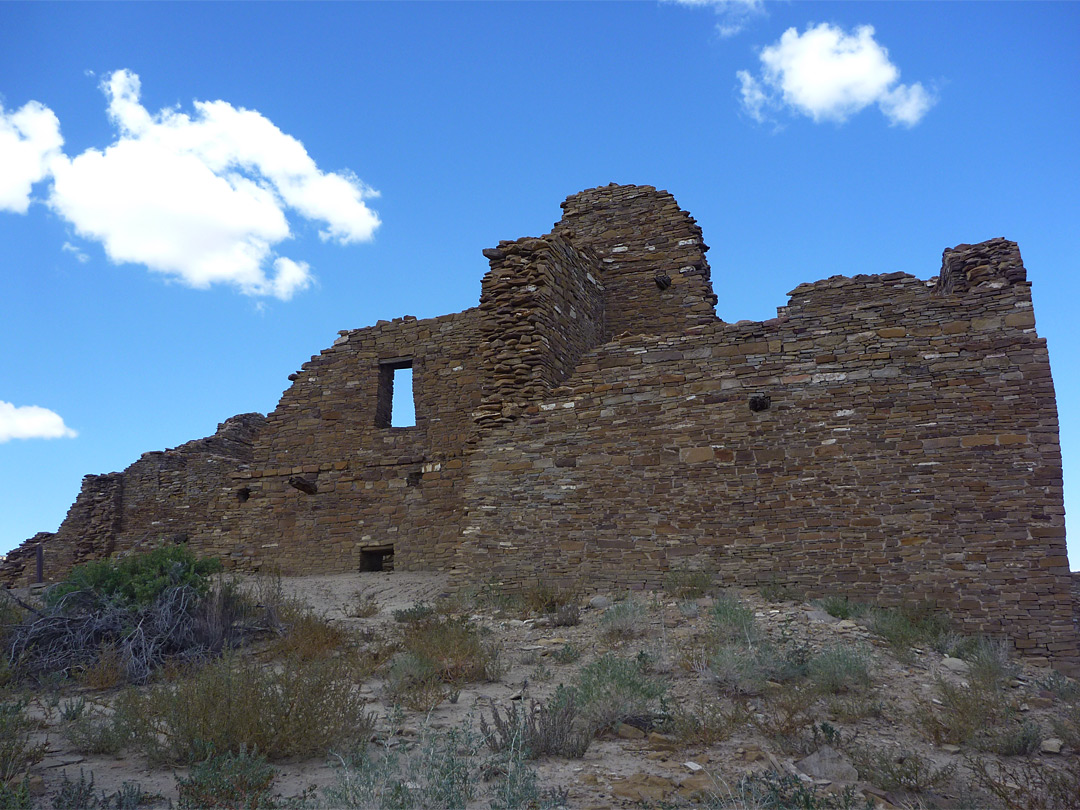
(592, 422)
(882, 438)
(331, 482)
(165, 496)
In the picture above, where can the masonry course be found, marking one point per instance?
(591, 422)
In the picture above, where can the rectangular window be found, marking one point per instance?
(395, 406)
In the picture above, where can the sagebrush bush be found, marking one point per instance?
(706, 723)
(240, 781)
(309, 636)
(961, 714)
(1027, 784)
(413, 681)
(453, 647)
(138, 579)
(688, 583)
(625, 619)
(841, 607)
(732, 621)
(909, 625)
(80, 795)
(611, 690)
(769, 790)
(299, 708)
(840, 668)
(543, 599)
(17, 754)
(540, 730)
(899, 769)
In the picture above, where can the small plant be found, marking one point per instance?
(17, 754)
(72, 795)
(841, 607)
(539, 730)
(899, 770)
(568, 615)
(732, 621)
(840, 668)
(788, 719)
(413, 681)
(1027, 784)
(909, 625)
(688, 583)
(779, 592)
(542, 599)
(72, 709)
(707, 723)
(233, 704)
(961, 714)
(689, 609)
(418, 612)
(363, 606)
(453, 648)
(228, 780)
(624, 619)
(1016, 740)
(612, 690)
(989, 666)
(566, 654)
(309, 637)
(1061, 687)
(769, 790)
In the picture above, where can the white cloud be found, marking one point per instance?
(29, 141)
(70, 248)
(31, 422)
(201, 198)
(830, 75)
(733, 15)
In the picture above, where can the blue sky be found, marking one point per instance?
(236, 183)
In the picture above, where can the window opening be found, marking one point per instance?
(396, 406)
(377, 559)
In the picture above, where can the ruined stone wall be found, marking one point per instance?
(886, 437)
(541, 308)
(164, 497)
(330, 479)
(651, 255)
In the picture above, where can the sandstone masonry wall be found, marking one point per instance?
(908, 450)
(591, 421)
(165, 496)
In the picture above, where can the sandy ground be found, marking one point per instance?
(616, 771)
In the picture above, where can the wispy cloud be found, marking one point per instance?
(31, 422)
(829, 75)
(202, 198)
(732, 15)
(82, 257)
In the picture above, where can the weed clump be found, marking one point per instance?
(242, 780)
(625, 619)
(688, 583)
(612, 690)
(540, 730)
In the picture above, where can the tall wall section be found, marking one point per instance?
(886, 437)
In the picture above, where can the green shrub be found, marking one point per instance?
(440, 772)
(1018, 739)
(989, 665)
(841, 607)
(17, 754)
(300, 708)
(909, 625)
(769, 790)
(732, 621)
(1028, 784)
(72, 795)
(688, 583)
(746, 669)
(567, 654)
(228, 780)
(419, 611)
(413, 681)
(840, 668)
(138, 579)
(453, 648)
(960, 715)
(899, 770)
(625, 619)
(539, 730)
(611, 690)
